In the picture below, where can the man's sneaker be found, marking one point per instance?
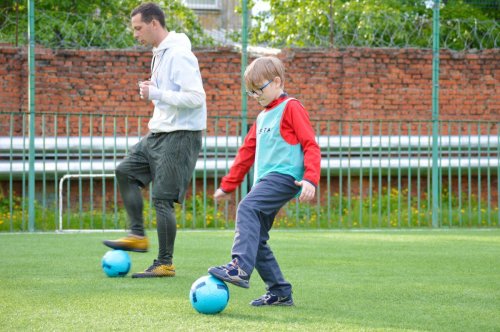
(129, 243)
(231, 273)
(271, 299)
(157, 270)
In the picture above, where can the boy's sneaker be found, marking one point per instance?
(271, 299)
(129, 243)
(157, 270)
(231, 273)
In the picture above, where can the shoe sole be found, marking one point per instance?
(124, 248)
(285, 304)
(240, 283)
(138, 276)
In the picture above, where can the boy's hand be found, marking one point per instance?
(219, 194)
(308, 191)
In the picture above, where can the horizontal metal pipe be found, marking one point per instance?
(355, 165)
(95, 143)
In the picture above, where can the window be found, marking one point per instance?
(202, 4)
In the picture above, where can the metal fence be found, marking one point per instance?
(376, 24)
(374, 174)
(320, 24)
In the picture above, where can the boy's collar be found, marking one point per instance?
(275, 102)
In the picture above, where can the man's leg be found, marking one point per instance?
(166, 226)
(167, 229)
(173, 158)
(132, 174)
(132, 200)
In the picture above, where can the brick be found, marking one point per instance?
(380, 83)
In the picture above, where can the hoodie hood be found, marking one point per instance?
(172, 40)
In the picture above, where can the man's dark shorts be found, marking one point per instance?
(167, 159)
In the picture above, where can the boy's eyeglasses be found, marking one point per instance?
(259, 91)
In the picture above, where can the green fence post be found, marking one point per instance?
(31, 87)
(244, 60)
(435, 114)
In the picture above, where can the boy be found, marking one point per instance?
(282, 145)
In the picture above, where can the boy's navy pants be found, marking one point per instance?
(254, 219)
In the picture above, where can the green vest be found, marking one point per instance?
(273, 153)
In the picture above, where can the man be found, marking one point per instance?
(167, 154)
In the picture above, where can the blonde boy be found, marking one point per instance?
(282, 148)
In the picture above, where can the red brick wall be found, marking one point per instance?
(357, 83)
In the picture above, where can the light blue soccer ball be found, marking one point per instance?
(209, 295)
(116, 263)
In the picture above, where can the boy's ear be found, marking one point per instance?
(278, 81)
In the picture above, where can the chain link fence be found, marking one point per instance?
(99, 29)
(386, 30)
(320, 26)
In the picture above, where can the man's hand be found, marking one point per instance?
(148, 90)
(308, 191)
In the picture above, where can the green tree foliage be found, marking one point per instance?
(465, 24)
(90, 23)
(375, 23)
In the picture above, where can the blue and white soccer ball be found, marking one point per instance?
(116, 263)
(209, 295)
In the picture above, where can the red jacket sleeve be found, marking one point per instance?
(242, 163)
(296, 128)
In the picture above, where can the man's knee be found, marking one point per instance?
(163, 203)
(124, 178)
(120, 172)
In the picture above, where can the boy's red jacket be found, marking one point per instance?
(295, 128)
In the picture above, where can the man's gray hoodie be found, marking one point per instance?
(179, 97)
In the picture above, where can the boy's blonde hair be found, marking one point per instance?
(264, 69)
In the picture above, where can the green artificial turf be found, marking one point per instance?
(421, 280)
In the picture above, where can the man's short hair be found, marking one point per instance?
(264, 69)
(150, 11)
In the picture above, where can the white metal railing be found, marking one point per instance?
(61, 186)
(83, 155)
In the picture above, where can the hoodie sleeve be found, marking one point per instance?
(184, 74)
